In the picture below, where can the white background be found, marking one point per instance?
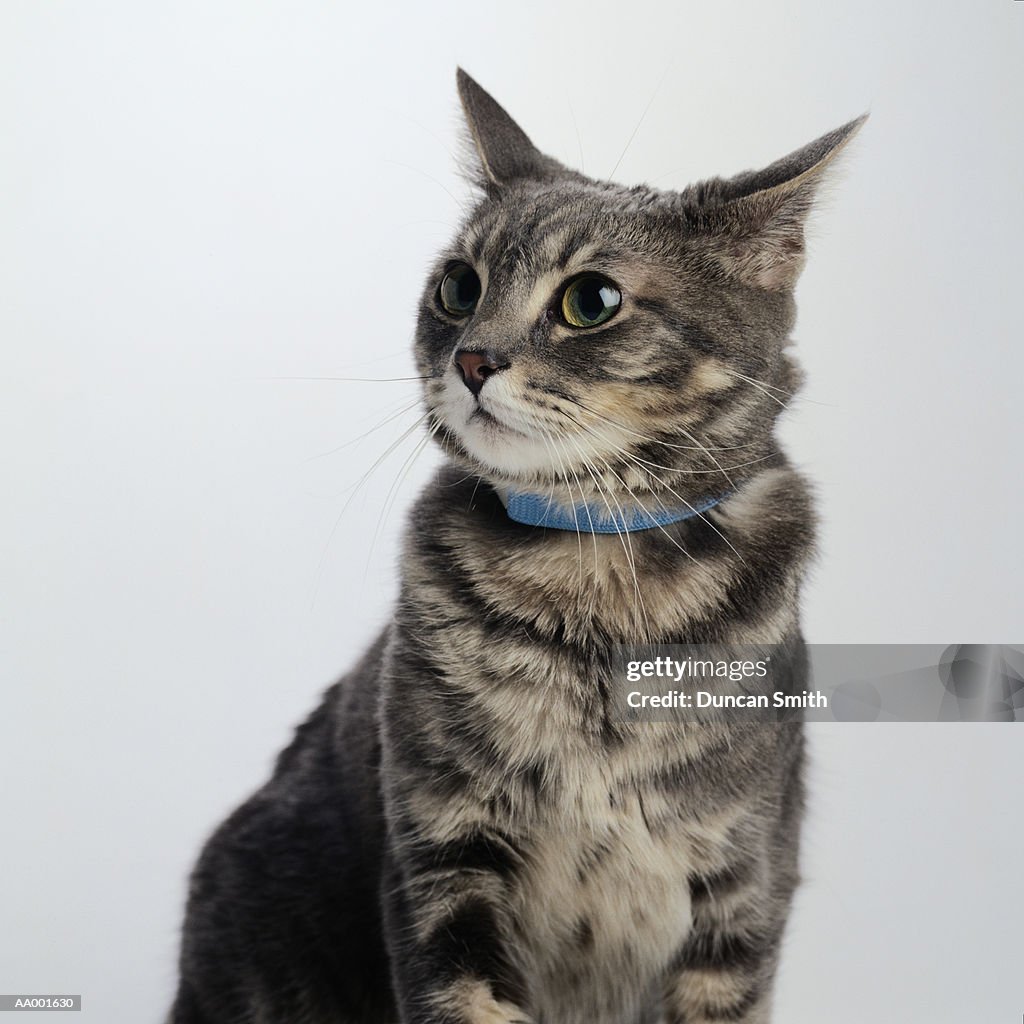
(198, 199)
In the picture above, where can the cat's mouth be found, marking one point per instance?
(494, 430)
(489, 421)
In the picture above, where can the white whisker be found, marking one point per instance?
(655, 477)
(383, 422)
(355, 488)
(627, 544)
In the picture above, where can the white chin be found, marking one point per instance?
(505, 450)
(493, 434)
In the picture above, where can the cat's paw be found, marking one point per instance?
(471, 1001)
(501, 1013)
(496, 1011)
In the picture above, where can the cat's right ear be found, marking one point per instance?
(502, 151)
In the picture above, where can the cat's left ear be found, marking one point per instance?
(504, 151)
(756, 231)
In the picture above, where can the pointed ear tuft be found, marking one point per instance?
(754, 223)
(503, 151)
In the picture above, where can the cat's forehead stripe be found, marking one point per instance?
(537, 244)
(573, 240)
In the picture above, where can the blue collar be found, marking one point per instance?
(534, 509)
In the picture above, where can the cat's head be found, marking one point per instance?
(582, 334)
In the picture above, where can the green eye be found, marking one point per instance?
(589, 301)
(460, 290)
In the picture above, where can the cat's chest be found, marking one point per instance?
(601, 907)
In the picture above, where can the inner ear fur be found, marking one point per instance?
(752, 225)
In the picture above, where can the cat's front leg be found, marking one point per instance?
(726, 968)
(448, 934)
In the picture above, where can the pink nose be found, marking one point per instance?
(476, 367)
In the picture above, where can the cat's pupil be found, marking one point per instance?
(593, 299)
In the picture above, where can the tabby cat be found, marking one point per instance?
(466, 830)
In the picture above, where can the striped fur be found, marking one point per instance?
(465, 831)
